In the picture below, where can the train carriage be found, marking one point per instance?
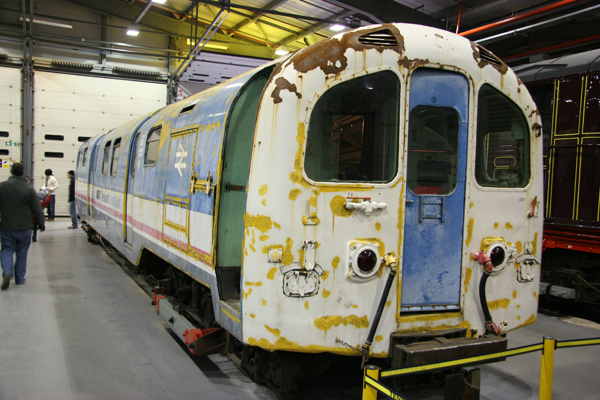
(331, 201)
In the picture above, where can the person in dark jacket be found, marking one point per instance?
(18, 203)
(73, 211)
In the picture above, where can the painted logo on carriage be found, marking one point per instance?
(180, 164)
(106, 198)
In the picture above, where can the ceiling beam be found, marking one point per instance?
(389, 11)
(314, 29)
(272, 5)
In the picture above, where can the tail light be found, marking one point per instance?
(363, 260)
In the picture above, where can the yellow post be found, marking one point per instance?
(547, 368)
(370, 393)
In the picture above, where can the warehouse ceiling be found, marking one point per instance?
(260, 27)
(518, 31)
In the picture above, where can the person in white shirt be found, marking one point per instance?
(51, 186)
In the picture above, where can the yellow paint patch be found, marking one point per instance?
(326, 293)
(535, 295)
(335, 262)
(271, 273)
(535, 239)
(519, 246)
(532, 318)
(496, 225)
(471, 205)
(508, 225)
(325, 323)
(261, 222)
(306, 305)
(264, 302)
(468, 275)
(245, 295)
(325, 275)
(500, 303)
(263, 237)
(518, 306)
(514, 294)
(258, 284)
(264, 202)
(275, 332)
(388, 303)
(263, 189)
(252, 315)
(354, 306)
(518, 317)
(252, 247)
(287, 258)
(337, 207)
(378, 338)
(470, 231)
(265, 250)
(294, 193)
(428, 317)
(377, 226)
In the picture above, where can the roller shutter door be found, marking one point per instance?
(10, 119)
(69, 109)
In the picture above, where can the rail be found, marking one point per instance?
(372, 374)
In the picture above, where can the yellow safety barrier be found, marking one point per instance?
(371, 385)
(546, 368)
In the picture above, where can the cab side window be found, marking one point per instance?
(105, 158)
(151, 153)
(503, 150)
(115, 157)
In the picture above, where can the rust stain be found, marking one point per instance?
(329, 54)
(411, 64)
(283, 84)
(482, 63)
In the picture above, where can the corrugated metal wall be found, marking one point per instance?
(69, 109)
(10, 118)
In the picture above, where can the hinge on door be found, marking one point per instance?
(206, 185)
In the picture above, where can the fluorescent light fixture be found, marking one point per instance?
(51, 22)
(133, 30)
(337, 27)
(159, 1)
(282, 50)
(210, 45)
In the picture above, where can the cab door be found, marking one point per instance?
(435, 195)
(176, 216)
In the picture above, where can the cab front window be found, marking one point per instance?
(353, 131)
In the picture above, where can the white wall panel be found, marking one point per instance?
(10, 118)
(75, 107)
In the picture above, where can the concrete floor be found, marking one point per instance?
(80, 328)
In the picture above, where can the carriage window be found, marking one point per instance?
(432, 150)
(84, 158)
(502, 141)
(353, 131)
(115, 157)
(105, 159)
(151, 154)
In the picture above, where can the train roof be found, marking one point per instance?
(562, 66)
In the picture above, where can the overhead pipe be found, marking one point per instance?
(459, 15)
(516, 18)
(554, 47)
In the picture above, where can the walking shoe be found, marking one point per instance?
(73, 227)
(21, 283)
(5, 282)
(34, 239)
(50, 219)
